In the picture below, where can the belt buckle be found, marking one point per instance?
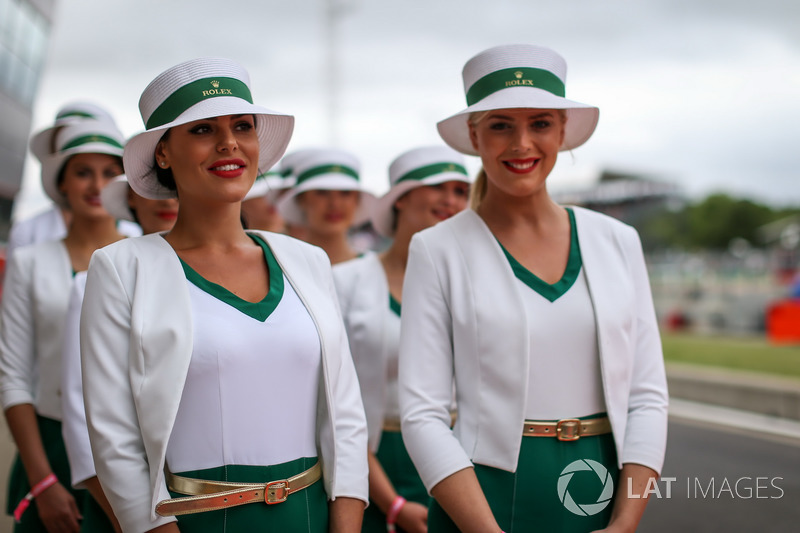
(568, 429)
(276, 492)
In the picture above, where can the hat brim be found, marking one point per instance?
(52, 165)
(114, 197)
(274, 130)
(293, 214)
(581, 118)
(383, 217)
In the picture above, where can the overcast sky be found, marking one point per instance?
(704, 93)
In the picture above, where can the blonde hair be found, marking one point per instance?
(479, 186)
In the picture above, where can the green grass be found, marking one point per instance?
(752, 354)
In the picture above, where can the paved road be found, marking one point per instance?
(707, 462)
(698, 455)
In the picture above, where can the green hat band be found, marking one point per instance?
(86, 139)
(326, 169)
(515, 77)
(81, 114)
(431, 170)
(193, 93)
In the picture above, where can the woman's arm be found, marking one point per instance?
(17, 379)
(461, 496)
(426, 369)
(115, 435)
(412, 517)
(633, 481)
(93, 486)
(345, 515)
(55, 505)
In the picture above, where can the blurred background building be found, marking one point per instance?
(24, 34)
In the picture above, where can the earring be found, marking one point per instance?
(164, 164)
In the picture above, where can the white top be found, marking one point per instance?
(563, 354)
(373, 331)
(250, 396)
(34, 306)
(73, 422)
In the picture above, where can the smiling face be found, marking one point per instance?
(214, 159)
(82, 179)
(328, 211)
(424, 206)
(518, 147)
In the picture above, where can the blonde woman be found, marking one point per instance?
(542, 317)
(216, 370)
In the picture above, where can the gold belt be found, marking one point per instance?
(392, 425)
(213, 495)
(568, 429)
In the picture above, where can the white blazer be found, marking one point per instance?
(464, 319)
(136, 344)
(364, 298)
(34, 305)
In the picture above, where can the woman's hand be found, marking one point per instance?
(413, 518)
(58, 510)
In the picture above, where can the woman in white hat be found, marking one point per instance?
(51, 224)
(542, 317)
(258, 207)
(217, 374)
(152, 216)
(327, 200)
(427, 185)
(34, 306)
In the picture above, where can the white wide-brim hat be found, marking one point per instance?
(41, 143)
(195, 90)
(267, 185)
(327, 170)
(427, 165)
(114, 197)
(84, 137)
(518, 76)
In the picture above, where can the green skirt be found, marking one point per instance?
(304, 511)
(400, 470)
(558, 486)
(18, 486)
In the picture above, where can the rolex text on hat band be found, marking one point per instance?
(326, 169)
(515, 77)
(421, 173)
(194, 92)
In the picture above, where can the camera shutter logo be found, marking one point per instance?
(586, 509)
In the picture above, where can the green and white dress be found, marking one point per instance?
(248, 412)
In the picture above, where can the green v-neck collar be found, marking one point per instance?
(552, 291)
(394, 305)
(257, 310)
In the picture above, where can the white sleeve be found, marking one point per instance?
(114, 431)
(645, 438)
(73, 421)
(426, 370)
(17, 333)
(349, 422)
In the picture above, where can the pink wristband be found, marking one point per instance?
(394, 510)
(37, 489)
